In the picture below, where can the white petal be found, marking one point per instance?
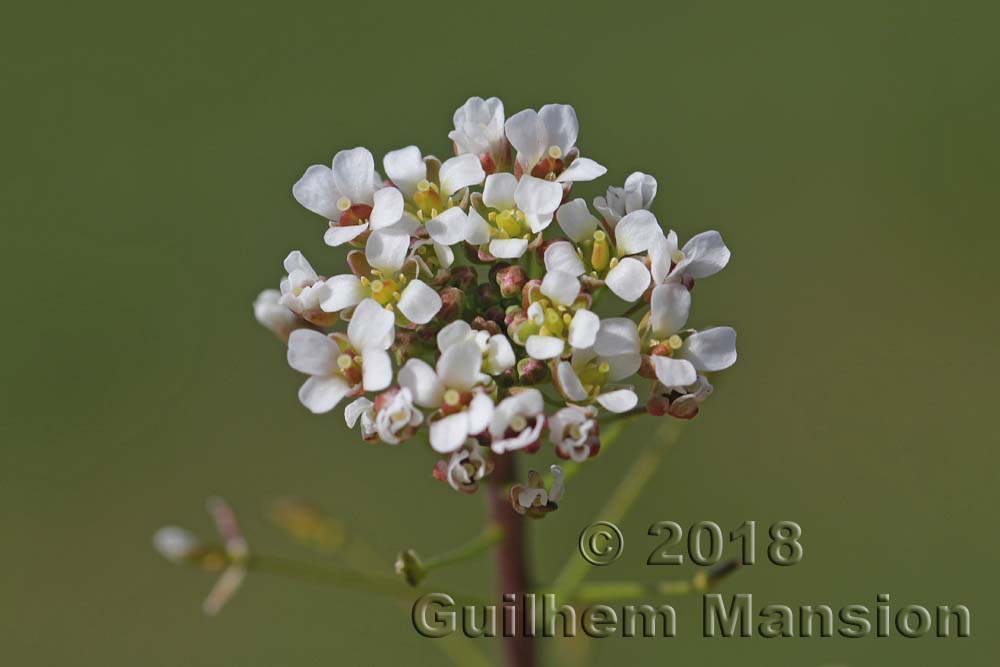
(508, 248)
(354, 175)
(498, 192)
(561, 125)
(296, 264)
(660, 256)
(311, 352)
(637, 232)
(620, 400)
(674, 372)
(355, 409)
(444, 254)
(617, 335)
(526, 132)
(386, 249)
(317, 192)
(629, 279)
(477, 230)
(480, 413)
(449, 433)
(371, 327)
(423, 383)
(459, 366)
(583, 329)
(561, 287)
(544, 347)
(453, 333)
(569, 383)
(342, 292)
(711, 350)
(621, 366)
(376, 368)
(388, 208)
(582, 169)
(321, 394)
(562, 256)
(705, 254)
(643, 186)
(500, 354)
(575, 219)
(337, 235)
(419, 303)
(538, 222)
(405, 168)
(669, 308)
(537, 196)
(449, 227)
(460, 172)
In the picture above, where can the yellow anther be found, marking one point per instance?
(452, 397)
(492, 216)
(567, 318)
(398, 416)
(365, 282)
(675, 342)
(677, 257)
(555, 152)
(424, 185)
(604, 367)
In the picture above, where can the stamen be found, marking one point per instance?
(424, 185)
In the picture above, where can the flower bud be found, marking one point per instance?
(532, 371)
(511, 280)
(452, 304)
(409, 567)
(531, 292)
(489, 294)
(463, 277)
(275, 317)
(176, 544)
(487, 324)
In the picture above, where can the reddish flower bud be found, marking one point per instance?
(452, 304)
(532, 371)
(489, 294)
(511, 280)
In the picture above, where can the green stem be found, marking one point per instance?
(477, 546)
(625, 494)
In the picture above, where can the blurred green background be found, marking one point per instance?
(847, 152)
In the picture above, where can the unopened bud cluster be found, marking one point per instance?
(466, 313)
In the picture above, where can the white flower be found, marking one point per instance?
(385, 252)
(349, 196)
(464, 468)
(533, 499)
(518, 421)
(704, 255)
(269, 312)
(679, 402)
(175, 544)
(479, 131)
(546, 141)
(364, 410)
(677, 359)
(575, 433)
(614, 357)
(341, 365)
(520, 209)
(396, 417)
(558, 319)
(623, 273)
(638, 193)
(498, 355)
(302, 289)
(445, 222)
(454, 386)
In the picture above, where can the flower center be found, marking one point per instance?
(518, 423)
(452, 398)
(675, 342)
(509, 224)
(344, 361)
(555, 152)
(676, 257)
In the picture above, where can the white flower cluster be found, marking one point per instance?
(459, 280)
